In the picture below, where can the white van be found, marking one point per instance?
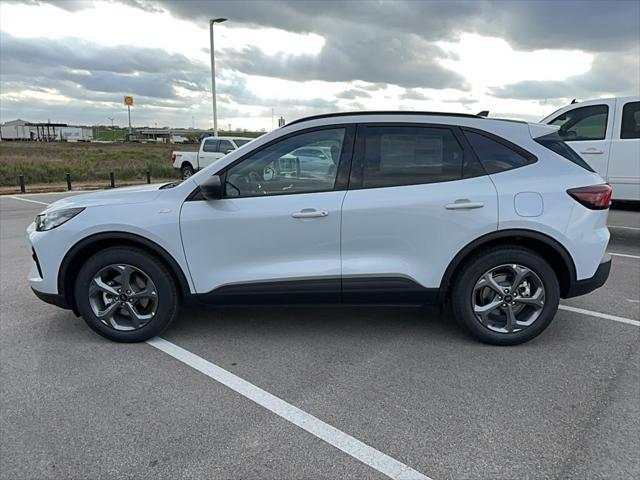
(606, 134)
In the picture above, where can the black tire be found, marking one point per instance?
(471, 272)
(167, 293)
(186, 171)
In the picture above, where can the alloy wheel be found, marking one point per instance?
(123, 297)
(508, 298)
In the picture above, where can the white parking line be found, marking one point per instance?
(626, 228)
(606, 316)
(626, 255)
(27, 200)
(342, 441)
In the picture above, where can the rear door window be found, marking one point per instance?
(630, 120)
(495, 155)
(583, 123)
(407, 155)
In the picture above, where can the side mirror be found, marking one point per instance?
(212, 188)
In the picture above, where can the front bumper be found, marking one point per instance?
(582, 287)
(52, 298)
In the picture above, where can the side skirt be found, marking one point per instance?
(355, 290)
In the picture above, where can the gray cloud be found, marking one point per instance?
(410, 94)
(374, 43)
(353, 93)
(617, 75)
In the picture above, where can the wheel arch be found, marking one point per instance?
(81, 251)
(553, 251)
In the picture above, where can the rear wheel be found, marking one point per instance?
(126, 295)
(506, 296)
(187, 171)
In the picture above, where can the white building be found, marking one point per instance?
(44, 132)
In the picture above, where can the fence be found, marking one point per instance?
(67, 176)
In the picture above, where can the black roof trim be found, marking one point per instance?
(383, 112)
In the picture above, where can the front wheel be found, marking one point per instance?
(506, 296)
(126, 295)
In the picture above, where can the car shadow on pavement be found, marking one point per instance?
(365, 322)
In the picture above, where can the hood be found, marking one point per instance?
(116, 196)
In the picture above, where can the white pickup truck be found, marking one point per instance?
(606, 134)
(211, 149)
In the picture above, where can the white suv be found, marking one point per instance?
(499, 218)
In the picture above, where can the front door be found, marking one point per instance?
(588, 131)
(275, 237)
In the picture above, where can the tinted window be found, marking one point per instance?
(225, 145)
(210, 146)
(410, 155)
(630, 120)
(277, 169)
(584, 123)
(494, 156)
(240, 142)
(554, 142)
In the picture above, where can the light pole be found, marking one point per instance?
(213, 74)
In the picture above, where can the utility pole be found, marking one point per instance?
(213, 74)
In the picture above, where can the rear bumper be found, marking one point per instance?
(582, 287)
(52, 298)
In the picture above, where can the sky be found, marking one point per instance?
(73, 61)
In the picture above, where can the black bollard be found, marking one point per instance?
(112, 178)
(68, 177)
(21, 183)
(148, 176)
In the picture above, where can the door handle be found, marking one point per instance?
(463, 204)
(592, 151)
(310, 213)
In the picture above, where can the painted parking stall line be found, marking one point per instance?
(625, 255)
(606, 316)
(375, 459)
(623, 227)
(27, 200)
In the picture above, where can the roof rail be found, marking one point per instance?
(382, 112)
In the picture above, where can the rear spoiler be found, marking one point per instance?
(538, 130)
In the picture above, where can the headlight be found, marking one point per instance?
(49, 220)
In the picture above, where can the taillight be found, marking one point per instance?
(595, 197)
(173, 157)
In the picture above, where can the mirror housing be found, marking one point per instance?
(212, 188)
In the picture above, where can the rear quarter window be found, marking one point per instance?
(555, 143)
(497, 155)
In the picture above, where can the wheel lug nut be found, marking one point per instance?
(499, 298)
(504, 305)
(513, 303)
(506, 290)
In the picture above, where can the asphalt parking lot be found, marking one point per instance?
(392, 391)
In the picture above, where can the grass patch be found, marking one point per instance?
(48, 162)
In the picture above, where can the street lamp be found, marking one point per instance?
(213, 74)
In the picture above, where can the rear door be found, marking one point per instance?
(416, 197)
(624, 159)
(588, 130)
